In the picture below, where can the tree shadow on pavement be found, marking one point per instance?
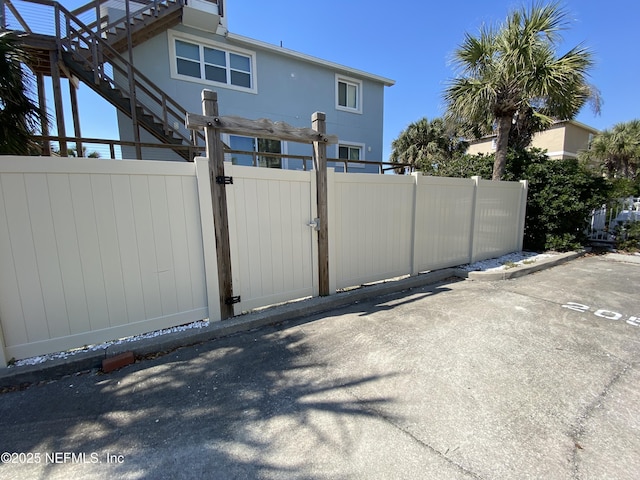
(255, 405)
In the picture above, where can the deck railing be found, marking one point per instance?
(605, 222)
(110, 148)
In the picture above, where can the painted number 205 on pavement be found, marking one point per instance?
(602, 313)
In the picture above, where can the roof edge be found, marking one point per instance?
(484, 138)
(581, 125)
(308, 58)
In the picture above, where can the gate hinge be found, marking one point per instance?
(232, 300)
(224, 180)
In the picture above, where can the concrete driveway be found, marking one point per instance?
(535, 377)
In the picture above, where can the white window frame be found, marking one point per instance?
(359, 94)
(359, 146)
(185, 37)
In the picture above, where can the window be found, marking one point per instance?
(269, 146)
(348, 94)
(350, 152)
(188, 58)
(262, 145)
(244, 144)
(215, 64)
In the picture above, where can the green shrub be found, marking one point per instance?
(624, 187)
(464, 166)
(628, 237)
(562, 194)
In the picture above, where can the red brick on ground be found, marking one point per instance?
(118, 361)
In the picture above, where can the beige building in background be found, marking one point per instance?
(561, 141)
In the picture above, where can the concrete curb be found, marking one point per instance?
(619, 257)
(520, 270)
(90, 360)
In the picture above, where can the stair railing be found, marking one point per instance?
(133, 83)
(87, 45)
(92, 15)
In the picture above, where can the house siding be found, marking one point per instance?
(577, 139)
(288, 89)
(552, 139)
(484, 146)
(562, 140)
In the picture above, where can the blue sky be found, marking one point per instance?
(411, 42)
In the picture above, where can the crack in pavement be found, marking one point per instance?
(389, 420)
(582, 420)
(535, 297)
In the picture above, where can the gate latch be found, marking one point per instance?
(315, 224)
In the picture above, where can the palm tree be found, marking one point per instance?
(616, 150)
(425, 144)
(19, 115)
(514, 70)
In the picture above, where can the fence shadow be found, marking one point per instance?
(389, 302)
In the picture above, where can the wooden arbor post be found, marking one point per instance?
(318, 123)
(214, 125)
(215, 154)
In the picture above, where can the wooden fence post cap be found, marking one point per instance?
(318, 116)
(209, 95)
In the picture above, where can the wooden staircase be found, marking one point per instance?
(92, 52)
(144, 25)
(119, 99)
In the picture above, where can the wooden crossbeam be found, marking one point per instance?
(261, 128)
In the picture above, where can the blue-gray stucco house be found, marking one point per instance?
(254, 80)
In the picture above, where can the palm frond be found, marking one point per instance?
(515, 68)
(19, 115)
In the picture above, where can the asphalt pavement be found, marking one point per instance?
(532, 377)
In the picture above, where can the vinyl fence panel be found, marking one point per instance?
(444, 222)
(373, 222)
(94, 250)
(498, 221)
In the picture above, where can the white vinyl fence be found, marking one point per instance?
(370, 234)
(386, 226)
(95, 250)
